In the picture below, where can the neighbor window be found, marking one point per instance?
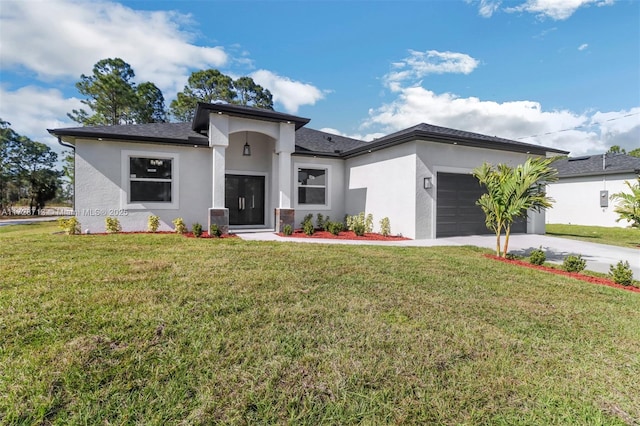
(312, 186)
(150, 179)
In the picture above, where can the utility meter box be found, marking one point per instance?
(604, 198)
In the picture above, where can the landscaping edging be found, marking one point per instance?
(586, 278)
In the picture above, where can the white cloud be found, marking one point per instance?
(32, 110)
(486, 8)
(360, 136)
(583, 46)
(63, 39)
(420, 64)
(557, 10)
(289, 93)
(525, 121)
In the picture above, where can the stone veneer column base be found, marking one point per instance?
(285, 217)
(219, 217)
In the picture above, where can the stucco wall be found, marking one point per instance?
(99, 168)
(433, 157)
(383, 183)
(578, 200)
(336, 208)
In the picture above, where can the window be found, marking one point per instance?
(150, 179)
(312, 186)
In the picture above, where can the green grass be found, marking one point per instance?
(162, 329)
(623, 237)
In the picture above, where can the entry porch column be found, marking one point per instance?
(285, 146)
(218, 141)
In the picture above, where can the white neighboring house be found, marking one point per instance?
(246, 168)
(585, 185)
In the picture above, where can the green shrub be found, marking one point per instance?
(512, 256)
(287, 230)
(179, 226)
(70, 226)
(153, 223)
(307, 228)
(112, 225)
(574, 263)
(368, 224)
(385, 227)
(214, 231)
(197, 230)
(327, 221)
(537, 257)
(358, 229)
(320, 221)
(307, 224)
(335, 227)
(621, 273)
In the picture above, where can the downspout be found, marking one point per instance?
(68, 145)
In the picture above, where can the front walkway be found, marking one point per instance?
(598, 256)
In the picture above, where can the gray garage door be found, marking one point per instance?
(457, 212)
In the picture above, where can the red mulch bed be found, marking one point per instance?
(344, 235)
(593, 280)
(188, 234)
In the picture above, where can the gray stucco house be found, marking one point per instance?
(585, 185)
(247, 168)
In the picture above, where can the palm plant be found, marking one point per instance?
(511, 192)
(628, 207)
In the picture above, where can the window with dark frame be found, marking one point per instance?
(150, 179)
(312, 186)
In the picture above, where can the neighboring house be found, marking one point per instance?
(585, 185)
(246, 168)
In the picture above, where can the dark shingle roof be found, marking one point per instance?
(447, 135)
(308, 141)
(314, 141)
(595, 165)
(173, 133)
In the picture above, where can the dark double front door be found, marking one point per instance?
(244, 197)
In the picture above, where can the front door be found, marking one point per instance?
(244, 197)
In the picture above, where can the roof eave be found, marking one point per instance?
(203, 109)
(127, 138)
(463, 141)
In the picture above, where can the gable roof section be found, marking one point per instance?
(457, 137)
(597, 165)
(170, 133)
(201, 118)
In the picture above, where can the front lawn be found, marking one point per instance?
(161, 329)
(623, 237)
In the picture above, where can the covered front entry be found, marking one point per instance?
(244, 197)
(457, 213)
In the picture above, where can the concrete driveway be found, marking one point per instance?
(598, 256)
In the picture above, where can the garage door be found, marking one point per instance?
(457, 212)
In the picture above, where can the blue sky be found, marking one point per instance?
(552, 72)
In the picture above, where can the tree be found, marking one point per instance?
(111, 93)
(150, 108)
(511, 192)
(628, 206)
(69, 171)
(211, 85)
(615, 149)
(202, 86)
(250, 93)
(634, 152)
(28, 170)
(113, 97)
